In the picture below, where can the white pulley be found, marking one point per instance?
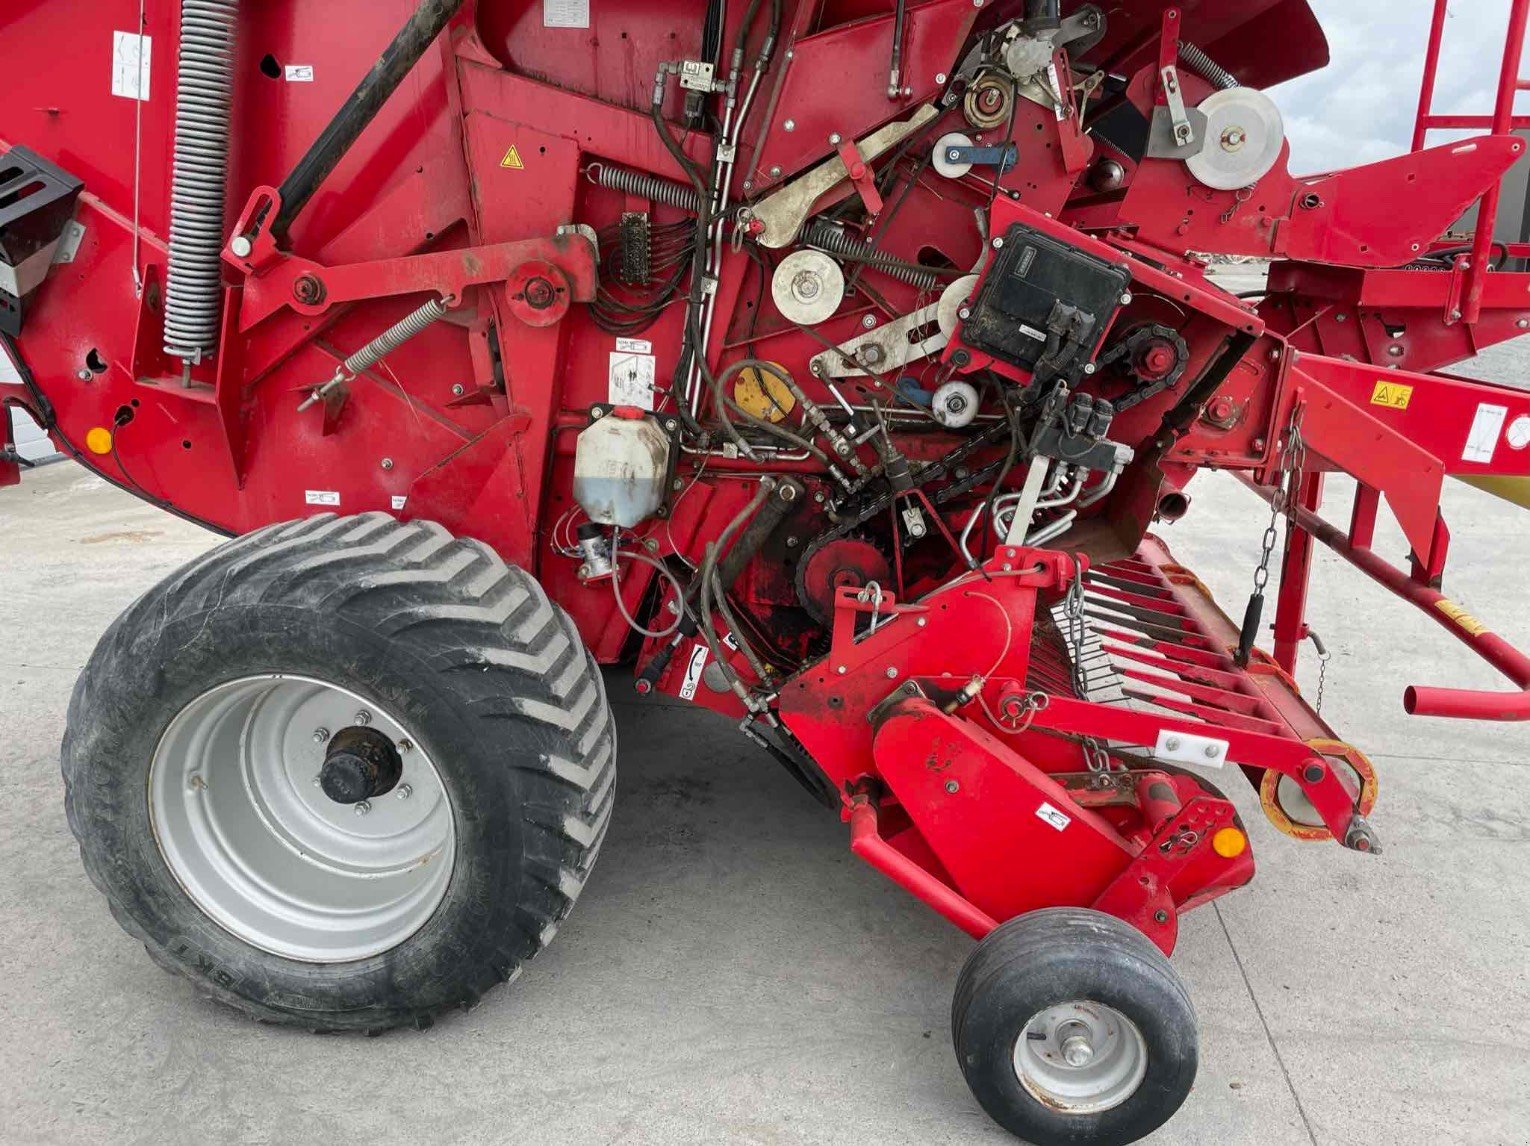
(1244, 137)
(942, 163)
(955, 405)
(948, 312)
(808, 287)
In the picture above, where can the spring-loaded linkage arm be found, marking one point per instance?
(378, 349)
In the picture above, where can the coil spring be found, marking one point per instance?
(204, 105)
(1204, 66)
(394, 337)
(828, 237)
(644, 186)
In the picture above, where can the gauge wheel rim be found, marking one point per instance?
(1117, 1059)
(243, 825)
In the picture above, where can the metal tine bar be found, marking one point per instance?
(1146, 580)
(1147, 628)
(1139, 586)
(1214, 716)
(1143, 612)
(1196, 673)
(1202, 659)
(1160, 604)
(1217, 697)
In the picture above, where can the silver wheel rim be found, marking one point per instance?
(243, 825)
(1081, 1057)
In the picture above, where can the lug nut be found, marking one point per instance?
(363, 718)
(320, 735)
(363, 808)
(404, 791)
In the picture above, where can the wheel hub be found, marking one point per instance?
(258, 817)
(1081, 1057)
(361, 764)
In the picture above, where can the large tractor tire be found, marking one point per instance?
(342, 773)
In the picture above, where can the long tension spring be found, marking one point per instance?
(830, 238)
(203, 110)
(379, 348)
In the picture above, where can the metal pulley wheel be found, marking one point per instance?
(955, 405)
(808, 287)
(989, 101)
(1244, 138)
(940, 161)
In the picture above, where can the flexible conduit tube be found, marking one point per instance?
(204, 105)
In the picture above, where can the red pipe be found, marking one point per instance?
(867, 842)
(1431, 73)
(1453, 703)
(1503, 124)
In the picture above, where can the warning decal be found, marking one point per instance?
(512, 159)
(1392, 395)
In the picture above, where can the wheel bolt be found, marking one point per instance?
(1077, 1051)
(363, 718)
(406, 746)
(363, 808)
(320, 735)
(405, 791)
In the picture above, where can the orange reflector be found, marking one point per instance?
(1229, 843)
(99, 440)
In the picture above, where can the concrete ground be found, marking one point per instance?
(732, 975)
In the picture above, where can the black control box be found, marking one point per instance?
(37, 200)
(1045, 302)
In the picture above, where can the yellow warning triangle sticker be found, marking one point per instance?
(512, 159)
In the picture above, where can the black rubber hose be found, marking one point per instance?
(396, 62)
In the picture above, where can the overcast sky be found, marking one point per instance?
(1361, 107)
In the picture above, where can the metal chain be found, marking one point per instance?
(1293, 462)
(1324, 656)
(1076, 631)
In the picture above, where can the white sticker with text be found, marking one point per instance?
(132, 59)
(321, 497)
(300, 73)
(1487, 427)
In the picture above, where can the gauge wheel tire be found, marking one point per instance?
(477, 678)
(1041, 979)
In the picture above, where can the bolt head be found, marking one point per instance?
(403, 791)
(363, 718)
(320, 735)
(84, 374)
(869, 321)
(405, 746)
(1172, 744)
(459, 389)
(998, 244)
(940, 77)
(842, 670)
(953, 787)
(892, 673)
(387, 463)
(1076, 1051)
(790, 125)
(1212, 752)
(241, 246)
(364, 808)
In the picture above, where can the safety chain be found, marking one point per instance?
(1324, 656)
(1282, 503)
(1293, 462)
(1076, 632)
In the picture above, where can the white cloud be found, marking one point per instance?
(1361, 107)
